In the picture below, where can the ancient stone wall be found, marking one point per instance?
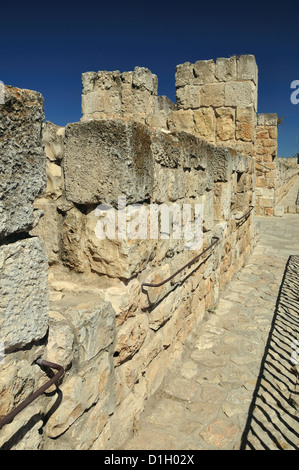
(273, 176)
(217, 101)
(132, 155)
(24, 296)
(116, 338)
(127, 95)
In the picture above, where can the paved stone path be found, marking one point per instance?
(235, 386)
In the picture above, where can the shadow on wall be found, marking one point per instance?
(273, 415)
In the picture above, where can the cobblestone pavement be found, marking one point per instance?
(235, 386)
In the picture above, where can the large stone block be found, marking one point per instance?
(22, 159)
(205, 123)
(241, 94)
(247, 68)
(23, 293)
(107, 159)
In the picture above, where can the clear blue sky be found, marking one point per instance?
(45, 46)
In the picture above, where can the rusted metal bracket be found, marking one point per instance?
(146, 284)
(10, 416)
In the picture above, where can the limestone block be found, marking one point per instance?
(176, 184)
(80, 393)
(195, 152)
(88, 81)
(107, 159)
(214, 95)
(125, 250)
(54, 181)
(278, 211)
(223, 164)
(204, 72)
(71, 240)
(188, 97)
(245, 115)
(181, 120)
(61, 340)
(162, 107)
(24, 296)
(225, 123)
(208, 211)
(184, 74)
(242, 94)
(205, 123)
(53, 138)
(273, 132)
(226, 69)
(266, 202)
(245, 131)
(160, 189)
(222, 201)
(144, 78)
(22, 159)
(247, 68)
(94, 326)
(17, 382)
(48, 228)
(101, 101)
(166, 149)
(130, 337)
(267, 119)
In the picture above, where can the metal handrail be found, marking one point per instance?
(246, 214)
(181, 269)
(10, 416)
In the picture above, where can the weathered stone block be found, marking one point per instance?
(130, 337)
(247, 68)
(107, 159)
(205, 123)
(214, 95)
(241, 94)
(23, 292)
(188, 97)
(267, 119)
(223, 164)
(226, 69)
(22, 159)
(53, 139)
(94, 326)
(181, 120)
(184, 74)
(225, 123)
(204, 72)
(48, 228)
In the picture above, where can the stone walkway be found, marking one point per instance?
(235, 386)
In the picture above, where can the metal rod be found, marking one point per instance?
(181, 269)
(10, 416)
(246, 214)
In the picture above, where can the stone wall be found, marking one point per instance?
(273, 176)
(24, 296)
(217, 101)
(127, 95)
(115, 336)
